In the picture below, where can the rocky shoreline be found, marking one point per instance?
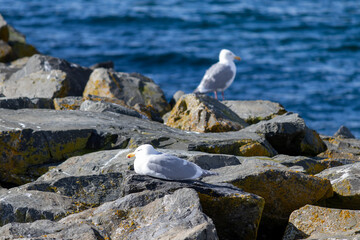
(65, 130)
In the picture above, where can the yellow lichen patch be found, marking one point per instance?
(254, 149)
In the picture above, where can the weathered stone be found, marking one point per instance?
(345, 181)
(46, 77)
(343, 132)
(341, 148)
(313, 222)
(28, 206)
(46, 229)
(25, 102)
(255, 111)
(107, 64)
(151, 215)
(5, 52)
(15, 35)
(149, 112)
(201, 113)
(101, 106)
(284, 191)
(132, 88)
(68, 103)
(289, 135)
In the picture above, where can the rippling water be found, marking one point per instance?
(304, 54)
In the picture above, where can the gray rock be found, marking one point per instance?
(36, 137)
(5, 51)
(313, 222)
(132, 88)
(46, 77)
(343, 132)
(101, 106)
(255, 111)
(289, 135)
(28, 206)
(46, 229)
(25, 102)
(284, 191)
(345, 181)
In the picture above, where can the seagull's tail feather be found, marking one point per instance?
(208, 173)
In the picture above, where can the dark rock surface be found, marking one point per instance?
(25, 102)
(289, 135)
(343, 132)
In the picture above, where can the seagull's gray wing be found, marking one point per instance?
(174, 168)
(216, 77)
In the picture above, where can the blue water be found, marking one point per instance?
(304, 54)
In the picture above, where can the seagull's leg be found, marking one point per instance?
(215, 94)
(222, 94)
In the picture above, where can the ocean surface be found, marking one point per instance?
(303, 54)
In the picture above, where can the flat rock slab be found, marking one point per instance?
(34, 137)
(345, 181)
(313, 222)
(201, 113)
(46, 77)
(255, 111)
(288, 134)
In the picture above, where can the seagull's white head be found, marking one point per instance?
(143, 149)
(227, 56)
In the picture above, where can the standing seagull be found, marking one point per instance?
(150, 162)
(220, 75)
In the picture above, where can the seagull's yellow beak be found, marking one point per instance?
(130, 155)
(237, 58)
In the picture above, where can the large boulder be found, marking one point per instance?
(132, 88)
(5, 51)
(289, 135)
(201, 113)
(46, 77)
(34, 138)
(345, 181)
(255, 111)
(4, 31)
(313, 222)
(283, 190)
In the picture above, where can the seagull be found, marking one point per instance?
(220, 75)
(150, 162)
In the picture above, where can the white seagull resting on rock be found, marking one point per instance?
(220, 75)
(150, 162)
